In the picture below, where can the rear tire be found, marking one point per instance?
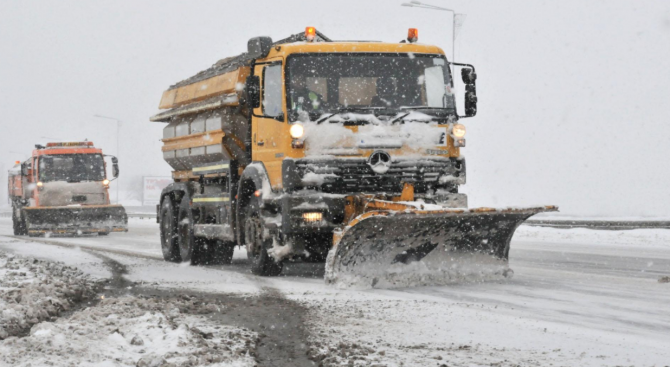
(220, 252)
(191, 249)
(257, 245)
(168, 225)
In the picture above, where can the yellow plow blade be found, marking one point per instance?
(389, 249)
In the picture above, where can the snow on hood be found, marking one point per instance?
(332, 137)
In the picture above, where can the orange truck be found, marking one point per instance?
(63, 189)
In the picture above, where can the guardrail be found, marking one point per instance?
(614, 225)
(130, 215)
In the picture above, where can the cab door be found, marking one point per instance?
(269, 126)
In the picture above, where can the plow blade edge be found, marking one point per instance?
(395, 249)
(76, 220)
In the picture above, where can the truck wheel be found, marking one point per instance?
(169, 232)
(19, 222)
(256, 243)
(190, 248)
(222, 252)
(15, 223)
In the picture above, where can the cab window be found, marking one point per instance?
(272, 91)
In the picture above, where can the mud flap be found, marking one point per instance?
(396, 249)
(76, 220)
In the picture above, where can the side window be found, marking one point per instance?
(435, 86)
(272, 105)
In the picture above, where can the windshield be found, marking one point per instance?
(326, 83)
(72, 167)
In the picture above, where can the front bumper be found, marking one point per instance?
(331, 208)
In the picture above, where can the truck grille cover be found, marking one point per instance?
(349, 175)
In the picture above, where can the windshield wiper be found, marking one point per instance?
(398, 118)
(348, 109)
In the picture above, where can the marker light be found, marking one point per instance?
(458, 130)
(105, 183)
(413, 35)
(297, 131)
(310, 33)
(312, 217)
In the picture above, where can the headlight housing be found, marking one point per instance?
(105, 183)
(297, 131)
(458, 131)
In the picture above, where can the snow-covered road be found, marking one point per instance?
(578, 297)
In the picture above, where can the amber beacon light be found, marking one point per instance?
(413, 35)
(310, 33)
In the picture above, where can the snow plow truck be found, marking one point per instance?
(337, 151)
(63, 189)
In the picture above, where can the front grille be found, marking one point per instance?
(355, 175)
(78, 198)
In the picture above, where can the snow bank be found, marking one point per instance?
(32, 290)
(129, 331)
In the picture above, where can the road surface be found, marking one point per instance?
(578, 297)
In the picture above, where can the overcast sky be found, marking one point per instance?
(574, 95)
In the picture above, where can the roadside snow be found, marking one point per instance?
(129, 331)
(33, 290)
(650, 238)
(76, 257)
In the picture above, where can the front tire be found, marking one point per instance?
(257, 244)
(168, 231)
(20, 228)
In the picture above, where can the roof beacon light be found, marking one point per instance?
(413, 35)
(70, 144)
(310, 34)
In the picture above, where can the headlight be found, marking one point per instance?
(105, 182)
(39, 184)
(297, 131)
(458, 130)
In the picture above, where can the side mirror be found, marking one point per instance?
(470, 100)
(259, 47)
(253, 88)
(469, 76)
(115, 167)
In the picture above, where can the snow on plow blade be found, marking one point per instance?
(76, 220)
(388, 249)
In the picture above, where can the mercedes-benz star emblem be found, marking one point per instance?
(380, 162)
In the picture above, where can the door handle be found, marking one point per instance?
(260, 142)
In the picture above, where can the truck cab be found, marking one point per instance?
(63, 188)
(279, 148)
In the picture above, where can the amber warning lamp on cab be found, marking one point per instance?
(310, 33)
(413, 35)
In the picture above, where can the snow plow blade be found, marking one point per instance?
(387, 249)
(76, 220)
